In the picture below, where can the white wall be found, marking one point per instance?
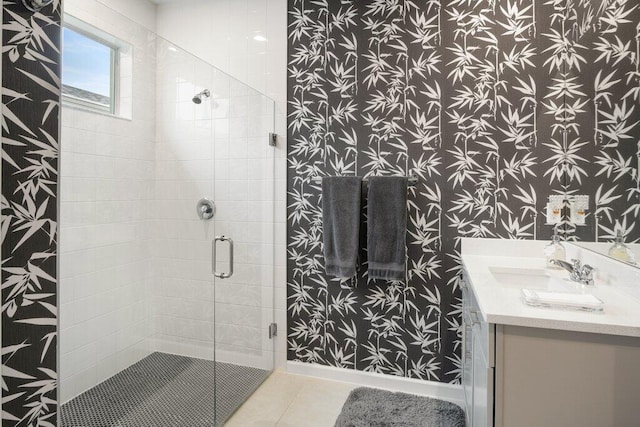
(107, 171)
(142, 12)
(222, 33)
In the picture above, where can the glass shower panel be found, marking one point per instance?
(183, 293)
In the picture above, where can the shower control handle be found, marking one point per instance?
(213, 257)
(206, 209)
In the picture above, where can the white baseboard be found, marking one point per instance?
(448, 392)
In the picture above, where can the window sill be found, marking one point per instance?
(77, 107)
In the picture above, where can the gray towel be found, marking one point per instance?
(341, 224)
(387, 227)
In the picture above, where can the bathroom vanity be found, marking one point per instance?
(537, 366)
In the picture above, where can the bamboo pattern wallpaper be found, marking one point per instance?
(470, 96)
(603, 108)
(30, 127)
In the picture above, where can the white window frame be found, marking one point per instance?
(115, 46)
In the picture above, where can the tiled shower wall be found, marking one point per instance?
(218, 150)
(107, 172)
(182, 295)
(225, 35)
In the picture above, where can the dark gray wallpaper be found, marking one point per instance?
(603, 116)
(475, 98)
(30, 127)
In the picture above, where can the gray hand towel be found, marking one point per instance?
(341, 224)
(387, 227)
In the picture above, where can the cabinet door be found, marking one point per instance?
(467, 354)
(467, 370)
(482, 413)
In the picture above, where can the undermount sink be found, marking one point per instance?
(531, 278)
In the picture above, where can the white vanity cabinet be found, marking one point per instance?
(478, 362)
(467, 357)
(483, 385)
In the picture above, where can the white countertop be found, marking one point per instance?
(502, 304)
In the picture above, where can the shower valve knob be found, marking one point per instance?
(206, 209)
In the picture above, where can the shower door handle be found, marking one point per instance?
(213, 258)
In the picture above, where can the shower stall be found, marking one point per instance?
(166, 237)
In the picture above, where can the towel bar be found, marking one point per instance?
(413, 180)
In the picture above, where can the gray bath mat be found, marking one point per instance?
(368, 407)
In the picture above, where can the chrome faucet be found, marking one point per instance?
(579, 273)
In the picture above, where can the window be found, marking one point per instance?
(89, 67)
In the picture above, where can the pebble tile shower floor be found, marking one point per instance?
(164, 390)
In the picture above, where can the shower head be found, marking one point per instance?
(198, 98)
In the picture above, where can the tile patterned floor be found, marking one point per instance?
(287, 400)
(164, 390)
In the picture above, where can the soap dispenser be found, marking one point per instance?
(554, 250)
(621, 251)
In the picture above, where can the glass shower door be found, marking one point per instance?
(242, 250)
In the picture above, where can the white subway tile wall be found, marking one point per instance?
(218, 150)
(247, 39)
(107, 172)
